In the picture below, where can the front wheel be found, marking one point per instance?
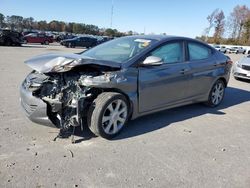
(108, 114)
(216, 94)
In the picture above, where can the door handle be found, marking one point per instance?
(183, 71)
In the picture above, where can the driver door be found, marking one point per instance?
(165, 84)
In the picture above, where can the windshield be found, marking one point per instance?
(119, 50)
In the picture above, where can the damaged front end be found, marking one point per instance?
(67, 87)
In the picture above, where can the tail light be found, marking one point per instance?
(229, 61)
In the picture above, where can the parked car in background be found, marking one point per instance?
(38, 38)
(28, 32)
(237, 50)
(240, 50)
(122, 79)
(62, 37)
(85, 41)
(241, 68)
(232, 50)
(10, 38)
(223, 49)
(217, 47)
(247, 50)
(102, 39)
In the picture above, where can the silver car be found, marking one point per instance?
(241, 69)
(121, 80)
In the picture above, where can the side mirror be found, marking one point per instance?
(152, 61)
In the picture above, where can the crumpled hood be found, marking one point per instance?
(48, 62)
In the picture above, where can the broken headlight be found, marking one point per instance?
(34, 81)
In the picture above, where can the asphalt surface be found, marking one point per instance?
(191, 146)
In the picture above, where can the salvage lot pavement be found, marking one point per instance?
(191, 146)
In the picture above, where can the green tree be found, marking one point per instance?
(15, 22)
(28, 23)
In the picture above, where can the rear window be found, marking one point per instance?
(198, 51)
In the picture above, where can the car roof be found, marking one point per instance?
(165, 38)
(155, 37)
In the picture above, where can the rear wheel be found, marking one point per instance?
(46, 42)
(108, 114)
(216, 94)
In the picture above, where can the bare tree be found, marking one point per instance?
(246, 31)
(219, 24)
(237, 20)
(211, 19)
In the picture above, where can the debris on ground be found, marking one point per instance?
(188, 131)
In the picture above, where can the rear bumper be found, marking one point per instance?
(35, 109)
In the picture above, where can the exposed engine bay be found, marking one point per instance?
(68, 95)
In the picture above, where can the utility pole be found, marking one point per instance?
(112, 12)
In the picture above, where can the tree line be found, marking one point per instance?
(20, 24)
(235, 29)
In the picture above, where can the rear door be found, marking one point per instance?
(166, 84)
(84, 42)
(203, 65)
(40, 38)
(32, 38)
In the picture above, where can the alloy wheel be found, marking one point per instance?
(217, 93)
(114, 116)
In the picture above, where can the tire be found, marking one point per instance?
(105, 118)
(216, 94)
(70, 45)
(46, 42)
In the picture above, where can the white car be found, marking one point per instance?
(237, 50)
(241, 69)
(223, 49)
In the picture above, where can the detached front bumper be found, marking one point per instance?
(34, 108)
(241, 73)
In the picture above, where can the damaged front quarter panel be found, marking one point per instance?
(107, 80)
(69, 84)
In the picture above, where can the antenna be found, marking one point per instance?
(112, 12)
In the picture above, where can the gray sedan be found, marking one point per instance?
(121, 80)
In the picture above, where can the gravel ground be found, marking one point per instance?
(191, 146)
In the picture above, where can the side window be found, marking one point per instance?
(170, 53)
(198, 51)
